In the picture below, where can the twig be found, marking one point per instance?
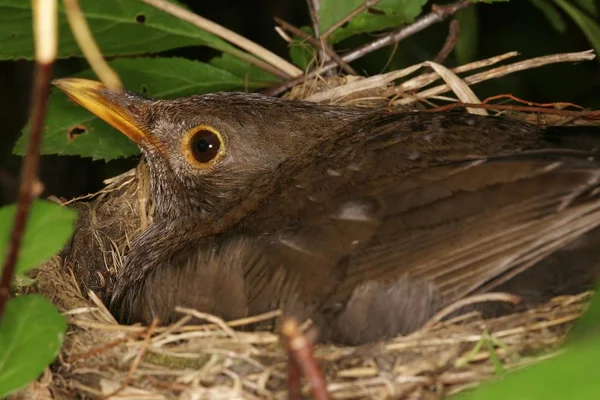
(208, 317)
(314, 8)
(438, 14)
(87, 44)
(294, 385)
(502, 71)
(45, 36)
(300, 353)
(478, 298)
(595, 114)
(324, 46)
(99, 350)
(458, 86)
(378, 81)
(352, 14)
(557, 105)
(451, 39)
(315, 43)
(281, 65)
(425, 79)
(136, 361)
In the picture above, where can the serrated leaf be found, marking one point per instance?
(120, 27)
(248, 72)
(49, 227)
(153, 77)
(31, 334)
(590, 28)
(385, 14)
(468, 39)
(552, 14)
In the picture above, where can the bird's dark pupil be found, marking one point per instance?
(205, 146)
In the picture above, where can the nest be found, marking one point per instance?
(219, 359)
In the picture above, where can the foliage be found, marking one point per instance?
(124, 27)
(385, 14)
(31, 334)
(570, 374)
(155, 77)
(31, 329)
(135, 37)
(48, 228)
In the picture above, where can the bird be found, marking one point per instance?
(367, 221)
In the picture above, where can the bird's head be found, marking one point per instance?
(210, 153)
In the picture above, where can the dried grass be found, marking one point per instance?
(221, 359)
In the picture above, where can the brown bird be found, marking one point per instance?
(367, 221)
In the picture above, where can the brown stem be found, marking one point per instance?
(41, 88)
(451, 39)
(314, 8)
(294, 386)
(315, 43)
(438, 14)
(301, 353)
(507, 107)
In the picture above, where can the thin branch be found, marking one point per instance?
(347, 18)
(301, 354)
(438, 14)
(500, 72)
(557, 105)
(314, 8)
(451, 39)
(475, 299)
(585, 114)
(137, 360)
(85, 40)
(271, 58)
(46, 39)
(315, 43)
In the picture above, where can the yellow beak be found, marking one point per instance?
(117, 107)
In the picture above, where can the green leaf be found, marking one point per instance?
(588, 5)
(552, 14)
(590, 28)
(254, 76)
(119, 26)
(154, 77)
(589, 323)
(570, 375)
(31, 334)
(302, 53)
(49, 227)
(468, 39)
(385, 14)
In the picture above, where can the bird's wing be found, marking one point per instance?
(470, 226)
(464, 226)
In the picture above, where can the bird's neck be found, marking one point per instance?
(156, 245)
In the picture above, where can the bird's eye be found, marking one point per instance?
(203, 145)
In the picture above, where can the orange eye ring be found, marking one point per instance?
(203, 146)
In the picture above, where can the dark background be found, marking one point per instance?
(503, 27)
